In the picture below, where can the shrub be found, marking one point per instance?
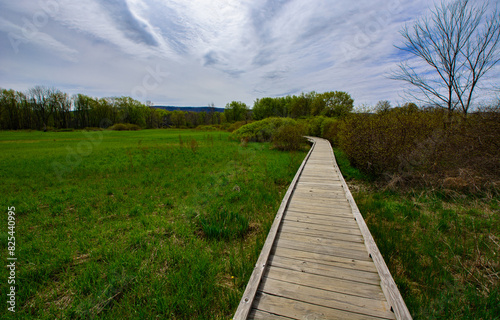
(236, 125)
(124, 127)
(329, 130)
(118, 127)
(207, 128)
(289, 138)
(313, 125)
(427, 148)
(378, 143)
(92, 129)
(321, 126)
(263, 130)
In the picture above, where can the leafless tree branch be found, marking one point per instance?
(459, 44)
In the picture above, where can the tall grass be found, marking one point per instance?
(442, 253)
(129, 224)
(442, 250)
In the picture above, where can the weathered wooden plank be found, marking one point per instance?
(331, 204)
(330, 299)
(325, 250)
(338, 205)
(315, 179)
(311, 166)
(319, 192)
(328, 215)
(339, 213)
(362, 265)
(336, 215)
(321, 164)
(319, 185)
(322, 213)
(262, 315)
(322, 220)
(313, 197)
(320, 228)
(323, 234)
(351, 288)
(316, 240)
(320, 201)
(321, 173)
(301, 310)
(319, 182)
(316, 267)
(343, 224)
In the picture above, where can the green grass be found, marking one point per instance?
(348, 172)
(442, 251)
(138, 225)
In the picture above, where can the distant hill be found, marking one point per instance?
(192, 109)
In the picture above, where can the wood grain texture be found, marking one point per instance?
(328, 299)
(319, 260)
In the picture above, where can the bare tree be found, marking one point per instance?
(39, 97)
(454, 48)
(382, 106)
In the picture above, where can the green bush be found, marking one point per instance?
(378, 143)
(289, 138)
(263, 130)
(321, 126)
(92, 129)
(125, 127)
(427, 148)
(207, 128)
(329, 130)
(236, 125)
(313, 125)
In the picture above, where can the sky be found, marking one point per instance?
(197, 52)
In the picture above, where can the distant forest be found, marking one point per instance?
(43, 108)
(187, 109)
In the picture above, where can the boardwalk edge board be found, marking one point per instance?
(388, 285)
(253, 284)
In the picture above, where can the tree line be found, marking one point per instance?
(331, 104)
(43, 108)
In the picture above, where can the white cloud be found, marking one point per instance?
(213, 51)
(29, 35)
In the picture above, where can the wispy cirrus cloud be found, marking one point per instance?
(213, 50)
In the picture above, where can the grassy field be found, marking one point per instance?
(442, 248)
(140, 225)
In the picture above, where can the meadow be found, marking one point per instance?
(136, 224)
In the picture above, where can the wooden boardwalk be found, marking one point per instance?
(319, 260)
